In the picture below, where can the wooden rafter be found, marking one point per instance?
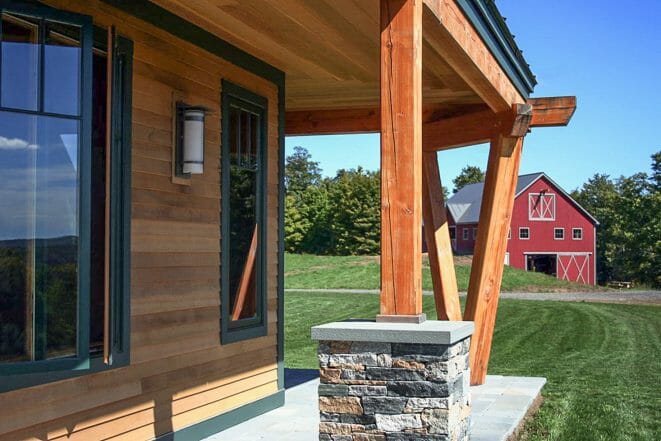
(401, 157)
(491, 244)
(437, 235)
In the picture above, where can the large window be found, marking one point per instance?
(58, 289)
(243, 233)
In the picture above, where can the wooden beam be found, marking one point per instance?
(460, 131)
(552, 111)
(330, 122)
(401, 157)
(491, 244)
(368, 120)
(475, 128)
(437, 235)
(439, 132)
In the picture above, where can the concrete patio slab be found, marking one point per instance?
(499, 406)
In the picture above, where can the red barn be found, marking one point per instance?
(550, 232)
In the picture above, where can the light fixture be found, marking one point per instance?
(190, 140)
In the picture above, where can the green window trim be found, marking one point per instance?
(232, 331)
(25, 374)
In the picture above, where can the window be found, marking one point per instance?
(453, 233)
(577, 233)
(559, 233)
(524, 233)
(243, 231)
(53, 237)
(464, 234)
(541, 206)
(474, 233)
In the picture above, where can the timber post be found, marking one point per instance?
(401, 160)
(439, 247)
(490, 247)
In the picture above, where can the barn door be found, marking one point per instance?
(574, 267)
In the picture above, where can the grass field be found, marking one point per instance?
(304, 271)
(602, 361)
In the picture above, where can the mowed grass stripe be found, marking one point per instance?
(305, 271)
(602, 361)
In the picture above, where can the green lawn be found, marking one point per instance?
(602, 361)
(304, 271)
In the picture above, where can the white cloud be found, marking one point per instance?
(16, 144)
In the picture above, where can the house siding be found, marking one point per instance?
(179, 373)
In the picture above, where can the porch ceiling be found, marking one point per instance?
(329, 50)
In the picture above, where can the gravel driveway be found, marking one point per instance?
(637, 297)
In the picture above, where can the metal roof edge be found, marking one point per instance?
(491, 27)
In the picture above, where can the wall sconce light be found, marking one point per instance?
(190, 140)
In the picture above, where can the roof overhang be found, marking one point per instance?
(329, 50)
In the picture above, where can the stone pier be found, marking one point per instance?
(394, 381)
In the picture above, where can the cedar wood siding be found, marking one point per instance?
(567, 216)
(179, 373)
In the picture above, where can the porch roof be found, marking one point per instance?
(329, 50)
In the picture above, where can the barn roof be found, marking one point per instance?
(464, 205)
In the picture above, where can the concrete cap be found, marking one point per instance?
(428, 332)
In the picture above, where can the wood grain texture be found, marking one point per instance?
(329, 50)
(439, 247)
(457, 43)
(401, 157)
(552, 111)
(368, 120)
(179, 374)
(490, 247)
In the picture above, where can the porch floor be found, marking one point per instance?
(499, 405)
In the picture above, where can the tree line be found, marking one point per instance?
(341, 215)
(628, 209)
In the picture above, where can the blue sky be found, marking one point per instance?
(607, 53)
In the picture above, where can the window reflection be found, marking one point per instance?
(38, 237)
(39, 206)
(243, 228)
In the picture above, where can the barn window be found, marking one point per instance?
(243, 231)
(453, 233)
(524, 233)
(474, 233)
(541, 206)
(558, 233)
(54, 319)
(577, 233)
(464, 234)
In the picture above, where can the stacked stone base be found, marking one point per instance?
(393, 391)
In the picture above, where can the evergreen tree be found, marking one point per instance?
(469, 175)
(355, 219)
(301, 172)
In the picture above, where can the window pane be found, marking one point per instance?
(20, 62)
(243, 221)
(38, 237)
(62, 69)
